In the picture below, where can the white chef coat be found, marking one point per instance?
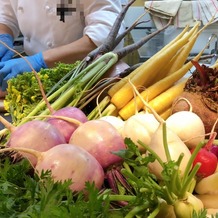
(42, 28)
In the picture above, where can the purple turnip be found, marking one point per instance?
(36, 134)
(67, 161)
(100, 139)
(65, 127)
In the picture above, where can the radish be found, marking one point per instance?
(140, 127)
(65, 127)
(100, 139)
(67, 161)
(188, 126)
(208, 162)
(207, 158)
(35, 134)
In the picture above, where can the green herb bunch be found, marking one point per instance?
(25, 194)
(24, 92)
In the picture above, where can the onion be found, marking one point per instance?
(35, 134)
(65, 127)
(100, 139)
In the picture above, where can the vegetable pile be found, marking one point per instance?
(125, 154)
(132, 179)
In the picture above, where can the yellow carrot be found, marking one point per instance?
(165, 99)
(166, 113)
(183, 55)
(125, 80)
(147, 72)
(180, 58)
(156, 89)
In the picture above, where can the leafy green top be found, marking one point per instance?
(24, 92)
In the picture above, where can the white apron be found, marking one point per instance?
(43, 27)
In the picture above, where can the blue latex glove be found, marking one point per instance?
(5, 53)
(13, 67)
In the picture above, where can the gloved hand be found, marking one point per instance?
(5, 53)
(13, 67)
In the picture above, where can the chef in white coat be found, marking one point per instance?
(53, 31)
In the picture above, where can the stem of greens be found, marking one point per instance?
(191, 176)
(152, 152)
(137, 209)
(190, 162)
(74, 88)
(122, 197)
(155, 212)
(165, 143)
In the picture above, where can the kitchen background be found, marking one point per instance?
(156, 43)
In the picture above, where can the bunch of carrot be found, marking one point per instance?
(159, 79)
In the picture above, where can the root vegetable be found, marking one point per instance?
(67, 161)
(65, 127)
(140, 127)
(209, 201)
(35, 134)
(206, 158)
(176, 148)
(166, 211)
(208, 185)
(100, 139)
(185, 208)
(188, 126)
(144, 74)
(166, 144)
(208, 162)
(211, 212)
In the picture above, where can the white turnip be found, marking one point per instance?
(140, 127)
(100, 139)
(184, 208)
(176, 148)
(188, 126)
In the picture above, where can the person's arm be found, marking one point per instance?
(5, 29)
(69, 53)
(99, 18)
